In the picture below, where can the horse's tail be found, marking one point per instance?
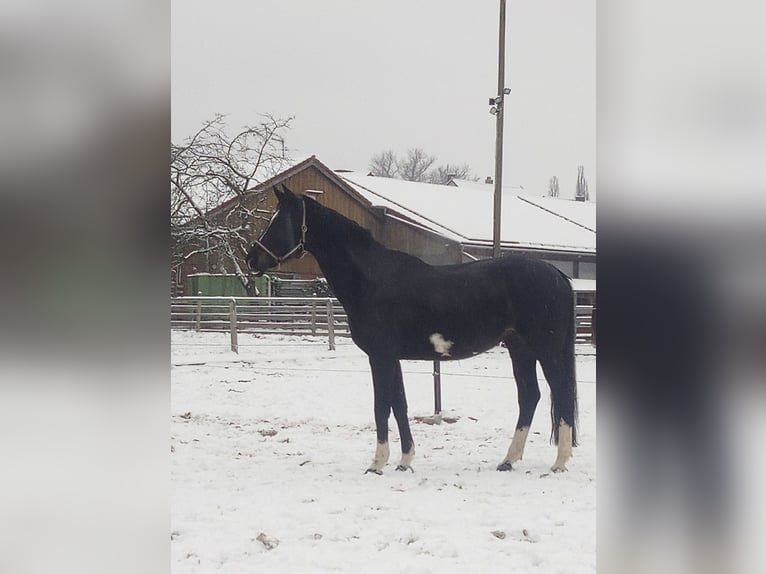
(568, 392)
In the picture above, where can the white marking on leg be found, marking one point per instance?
(407, 458)
(565, 447)
(516, 450)
(382, 452)
(440, 345)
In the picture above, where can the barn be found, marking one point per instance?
(441, 224)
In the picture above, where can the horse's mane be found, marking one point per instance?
(338, 230)
(333, 223)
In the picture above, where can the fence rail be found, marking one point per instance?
(324, 317)
(584, 324)
(261, 315)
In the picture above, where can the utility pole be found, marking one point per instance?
(497, 110)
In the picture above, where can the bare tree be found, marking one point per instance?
(384, 164)
(581, 190)
(215, 211)
(415, 165)
(553, 187)
(444, 173)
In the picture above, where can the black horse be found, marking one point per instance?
(399, 307)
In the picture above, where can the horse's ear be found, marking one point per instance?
(287, 193)
(280, 195)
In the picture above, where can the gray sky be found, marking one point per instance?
(361, 77)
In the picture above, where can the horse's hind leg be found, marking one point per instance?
(525, 373)
(560, 372)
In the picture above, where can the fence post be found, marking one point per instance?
(313, 317)
(233, 325)
(437, 388)
(198, 317)
(331, 324)
(574, 318)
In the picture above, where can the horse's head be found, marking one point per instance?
(285, 236)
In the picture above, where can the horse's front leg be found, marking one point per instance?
(399, 406)
(382, 382)
(389, 394)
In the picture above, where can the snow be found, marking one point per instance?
(466, 214)
(482, 186)
(583, 285)
(269, 448)
(581, 212)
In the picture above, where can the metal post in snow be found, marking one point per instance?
(331, 324)
(233, 325)
(500, 106)
(437, 388)
(198, 317)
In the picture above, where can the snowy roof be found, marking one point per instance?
(579, 212)
(584, 285)
(480, 185)
(582, 212)
(465, 215)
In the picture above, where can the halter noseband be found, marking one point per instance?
(301, 244)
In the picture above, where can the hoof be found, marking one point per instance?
(403, 468)
(557, 469)
(504, 466)
(374, 471)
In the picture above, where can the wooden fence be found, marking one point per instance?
(324, 317)
(584, 324)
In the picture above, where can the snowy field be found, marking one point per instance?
(269, 448)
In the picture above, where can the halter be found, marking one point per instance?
(301, 244)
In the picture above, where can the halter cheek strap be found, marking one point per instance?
(301, 244)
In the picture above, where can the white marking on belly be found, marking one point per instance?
(440, 345)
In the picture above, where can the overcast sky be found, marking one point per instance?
(361, 77)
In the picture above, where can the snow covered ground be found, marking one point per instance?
(269, 448)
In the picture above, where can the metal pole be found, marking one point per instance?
(330, 325)
(437, 388)
(499, 135)
(233, 325)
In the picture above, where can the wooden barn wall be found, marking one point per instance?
(429, 247)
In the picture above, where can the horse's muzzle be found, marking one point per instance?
(253, 266)
(259, 262)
